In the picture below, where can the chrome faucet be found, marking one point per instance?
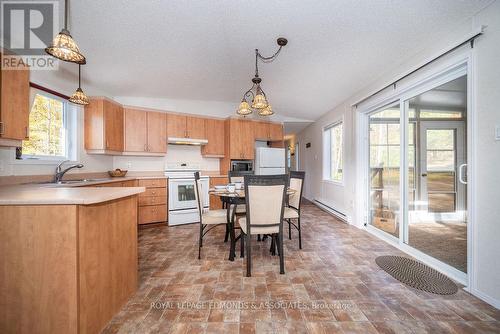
(60, 172)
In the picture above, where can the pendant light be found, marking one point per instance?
(79, 96)
(63, 46)
(255, 95)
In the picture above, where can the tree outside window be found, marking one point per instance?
(47, 134)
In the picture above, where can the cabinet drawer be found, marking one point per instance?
(152, 214)
(153, 183)
(154, 192)
(130, 183)
(152, 200)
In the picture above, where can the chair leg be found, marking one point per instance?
(281, 253)
(258, 237)
(242, 244)
(300, 233)
(249, 255)
(200, 241)
(226, 237)
(289, 229)
(272, 249)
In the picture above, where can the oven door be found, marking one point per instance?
(181, 194)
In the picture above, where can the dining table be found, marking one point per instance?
(231, 199)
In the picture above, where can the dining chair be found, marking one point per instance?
(208, 219)
(238, 176)
(292, 210)
(265, 204)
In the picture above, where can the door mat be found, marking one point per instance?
(417, 275)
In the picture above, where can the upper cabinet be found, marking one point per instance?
(275, 132)
(145, 132)
(214, 130)
(14, 105)
(268, 131)
(240, 139)
(103, 122)
(179, 126)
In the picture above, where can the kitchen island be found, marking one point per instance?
(68, 257)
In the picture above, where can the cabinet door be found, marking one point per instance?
(261, 130)
(113, 125)
(135, 130)
(195, 127)
(157, 132)
(14, 110)
(275, 132)
(247, 140)
(235, 144)
(215, 135)
(215, 201)
(176, 126)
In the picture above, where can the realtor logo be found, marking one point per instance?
(27, 28)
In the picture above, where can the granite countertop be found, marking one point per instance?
(62, 195)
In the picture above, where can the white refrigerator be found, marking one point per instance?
(269, 161)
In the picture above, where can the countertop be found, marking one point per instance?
(62, 195)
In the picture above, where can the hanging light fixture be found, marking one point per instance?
(255, 96)
(63, 46)
(79, 96)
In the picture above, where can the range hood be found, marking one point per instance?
(187, 141)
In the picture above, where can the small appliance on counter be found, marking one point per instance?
(182, 206)
(269, 161)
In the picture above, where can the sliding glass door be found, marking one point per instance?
(437, 218)
(429, 130)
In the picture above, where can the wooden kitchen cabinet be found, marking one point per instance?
(214, 129)
(135, 130)
(103, 123)
(241, 139)
(66, 268)
(145, 132)
(176, 126)
(215, 201)
(14, 105)
(275, 132)
(268, 131)
(261, 130)
(180, 126)
(153, 202)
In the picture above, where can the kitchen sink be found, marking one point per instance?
(71, 181)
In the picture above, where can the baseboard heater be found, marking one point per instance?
(331, 210)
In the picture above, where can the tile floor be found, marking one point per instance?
(332, 285)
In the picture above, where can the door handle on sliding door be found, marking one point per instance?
(461, 174)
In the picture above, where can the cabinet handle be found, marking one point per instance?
(1, 128)
(145, 147)
(27, 132)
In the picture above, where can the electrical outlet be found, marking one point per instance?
(129, 164)
(497, 132)
(2, 166)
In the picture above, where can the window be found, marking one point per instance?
(52, 129)
(332, 146)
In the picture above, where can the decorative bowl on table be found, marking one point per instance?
(117, 172)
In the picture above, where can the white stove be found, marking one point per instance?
(182, 207)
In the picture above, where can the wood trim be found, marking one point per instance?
(48, 90)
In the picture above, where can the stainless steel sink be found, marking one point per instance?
(71, 181)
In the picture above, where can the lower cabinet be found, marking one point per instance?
(215, 202)
(153, 202)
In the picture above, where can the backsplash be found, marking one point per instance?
(175, 154)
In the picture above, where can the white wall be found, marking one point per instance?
(486, 72)
(175, 154)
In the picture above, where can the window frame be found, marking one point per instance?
(327, 158)
(70, 116)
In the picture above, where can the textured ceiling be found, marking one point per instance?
(204, 50)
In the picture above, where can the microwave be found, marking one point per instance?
(242, 165)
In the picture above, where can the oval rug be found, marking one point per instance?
(416, 274)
